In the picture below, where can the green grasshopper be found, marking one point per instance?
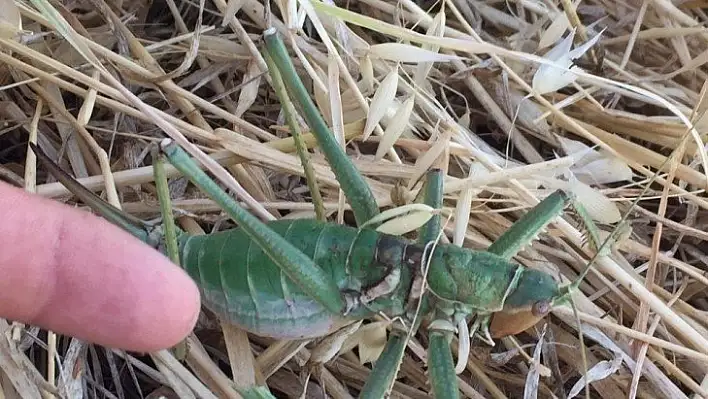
(299, 279)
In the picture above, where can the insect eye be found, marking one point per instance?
(541, 308)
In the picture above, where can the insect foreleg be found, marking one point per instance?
(520, 310)
(481, 325)
(383, 375)
(529, 226)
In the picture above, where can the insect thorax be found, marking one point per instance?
(479, 280)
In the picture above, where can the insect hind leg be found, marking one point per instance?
(383, 375)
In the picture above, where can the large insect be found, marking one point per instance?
(304, 278)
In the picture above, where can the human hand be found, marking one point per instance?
(76, 274)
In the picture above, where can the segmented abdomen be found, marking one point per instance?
(241, 284)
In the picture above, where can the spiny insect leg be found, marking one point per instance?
(383, 375)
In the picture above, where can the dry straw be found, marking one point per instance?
(406, 87)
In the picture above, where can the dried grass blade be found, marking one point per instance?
(437, 29)
(249, 91)
(219, 172)
(464, 204)
(382, 100)
(406, 53)
(71, 383)
(177, 385)
(337, 115)
(193, 51)
(554, 31)
(186, 378)
(396, 127)
(10, 19)
(424, 163)
(243, 364)
(277, 354)
(536, 369)
(208, 371)
(232, 7)
(24, 377)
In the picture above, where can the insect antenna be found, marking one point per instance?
(583, 356)
(591, 232)
(135, 226)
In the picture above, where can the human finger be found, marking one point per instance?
(71, 272)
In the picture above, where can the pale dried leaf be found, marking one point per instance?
(249, 92)
(423, 163)
(383, 98)
(372, 345)
(436, 29)
(391, 112)
(395, 128)
(555, 31)
(464, 204)
(580, 151)
(367, 73)
(598, 372)
(603, 171)
(329, 346)
(595, 167)
(535, 369)
(549, 78)
(370, 338)
(407, 53)
(353, 340)
(599, 207)
(405, 223)
(10, 20)
(397, 212)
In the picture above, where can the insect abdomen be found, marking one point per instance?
(240, 283)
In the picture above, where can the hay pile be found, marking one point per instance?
(454, 85)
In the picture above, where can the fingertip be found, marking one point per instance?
(73, 273)
(162, 310)
(172, 323)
